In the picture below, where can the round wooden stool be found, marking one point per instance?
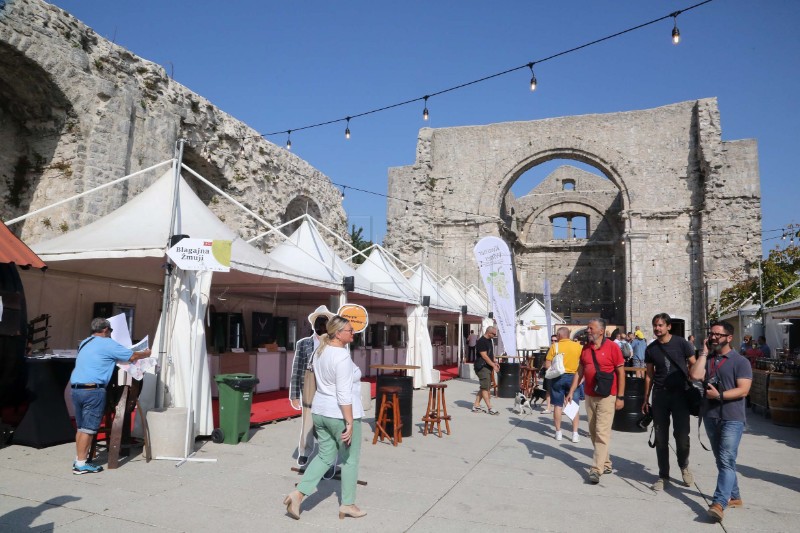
(437, 410)
(390, 412)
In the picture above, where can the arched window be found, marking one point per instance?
(569, 226)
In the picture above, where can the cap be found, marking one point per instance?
(318, 312)
(639, 334)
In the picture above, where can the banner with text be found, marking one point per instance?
(202, 254)
(494, 261)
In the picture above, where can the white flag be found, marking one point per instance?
(494, 261)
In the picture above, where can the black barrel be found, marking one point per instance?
(508, 380)
(626, 418)
(405, 396)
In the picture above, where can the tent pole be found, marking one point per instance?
(176, 165)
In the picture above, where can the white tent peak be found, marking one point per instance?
(384, 277)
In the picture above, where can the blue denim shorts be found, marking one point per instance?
(559, 389)
(90, 404)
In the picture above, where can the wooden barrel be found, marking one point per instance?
(758, 390)
(784, 399)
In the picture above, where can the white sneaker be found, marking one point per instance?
(558, 435)
(575, 437)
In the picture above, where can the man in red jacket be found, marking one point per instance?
(600, 409)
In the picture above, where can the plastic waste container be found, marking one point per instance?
(235, 400)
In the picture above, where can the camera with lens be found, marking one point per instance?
(713, 380)
(646, 419)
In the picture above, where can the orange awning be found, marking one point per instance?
(13, 250)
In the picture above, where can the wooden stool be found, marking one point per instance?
(527, 380)
(390, 412)
(437, 410)
(493, 385)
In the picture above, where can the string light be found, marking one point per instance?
(676, 33)
(289, 140)
(425, 111)
(347, 129)
(344, 187)
(533, 77)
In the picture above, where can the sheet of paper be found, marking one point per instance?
(571, 410)
(119, 323)
(138, 369)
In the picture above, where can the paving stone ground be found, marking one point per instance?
(494, 473)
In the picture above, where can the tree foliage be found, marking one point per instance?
(358, 242)
(779, 270)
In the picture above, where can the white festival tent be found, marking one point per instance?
(384, 277)
(129, 244)
(459, 294)
(532, 334)
(420, 351)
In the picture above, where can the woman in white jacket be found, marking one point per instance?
(337, 412)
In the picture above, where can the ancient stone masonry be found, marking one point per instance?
(672, 211)
(77, 111)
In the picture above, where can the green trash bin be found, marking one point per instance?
(235, 400)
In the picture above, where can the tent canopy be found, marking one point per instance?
(13, 250)
(131, 242)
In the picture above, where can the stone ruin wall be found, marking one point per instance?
(77, 111)
(674, 175)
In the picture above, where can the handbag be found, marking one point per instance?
(556, 366)
(603, 381)
(309, 385)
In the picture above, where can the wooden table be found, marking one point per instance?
(395, 368)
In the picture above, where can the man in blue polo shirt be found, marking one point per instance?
(728, 377)
(97, 355)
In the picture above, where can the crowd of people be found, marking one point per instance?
(594, 371)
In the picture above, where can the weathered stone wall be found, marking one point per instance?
(686, 203)
(77, 111)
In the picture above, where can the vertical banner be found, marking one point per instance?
(494, 261)
(548, 309)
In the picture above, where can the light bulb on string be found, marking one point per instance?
(425, 113)
(406, 206)
(676, 33)
(289, 140)
(343, 189)
(533, 77)
(347, 129)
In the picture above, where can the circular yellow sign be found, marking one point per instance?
(356, 315)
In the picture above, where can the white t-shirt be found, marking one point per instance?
(338, 383)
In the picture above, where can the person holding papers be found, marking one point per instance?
(570, 352)
(97, 355)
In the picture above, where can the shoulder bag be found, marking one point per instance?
(694, 394)
(603, 381)
(556, 365)
(309, 384)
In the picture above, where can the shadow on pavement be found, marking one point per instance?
(25, 516)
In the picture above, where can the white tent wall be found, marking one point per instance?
(419, 351)
(184, 370)
(69, 300)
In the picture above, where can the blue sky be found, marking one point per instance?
(284, 65)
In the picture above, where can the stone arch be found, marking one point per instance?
(299, 205)
(41, 138)
(495, 203)
(579, 206)
(195, 160)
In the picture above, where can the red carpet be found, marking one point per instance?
(271, 406)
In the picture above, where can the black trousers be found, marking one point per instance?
(673, 404)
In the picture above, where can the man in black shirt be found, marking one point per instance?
(484, 366)
(668, 360)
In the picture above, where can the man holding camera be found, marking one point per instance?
(727, 378)
(668, 359)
